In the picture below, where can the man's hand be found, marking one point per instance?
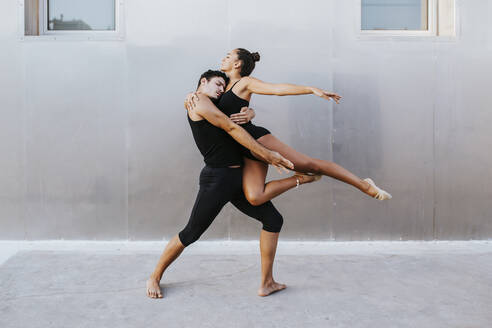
(190, 101)
(244, 116)
(326, 95)
(278, 161)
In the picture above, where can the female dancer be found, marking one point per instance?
(238, 65)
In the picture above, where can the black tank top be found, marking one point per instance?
(230, 103)
(217, 147)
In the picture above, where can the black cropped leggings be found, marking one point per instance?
(218, 186)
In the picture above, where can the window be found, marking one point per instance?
(75, 15)
(408, 17)
(394, 15)
(91, 19)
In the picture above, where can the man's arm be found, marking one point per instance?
(206, 109)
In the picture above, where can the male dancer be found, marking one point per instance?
(221, 182)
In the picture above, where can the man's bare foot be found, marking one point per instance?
(270, 288)
(153, 288)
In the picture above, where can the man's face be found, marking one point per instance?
(214, 88)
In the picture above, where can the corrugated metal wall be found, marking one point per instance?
(96, 143)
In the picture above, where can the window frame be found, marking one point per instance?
(431, 24)
(45, 34)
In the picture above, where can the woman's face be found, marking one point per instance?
(230, 61)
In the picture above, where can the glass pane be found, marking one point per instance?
(394, 15)
(81, 15)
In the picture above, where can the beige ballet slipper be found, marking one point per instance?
(381, 195)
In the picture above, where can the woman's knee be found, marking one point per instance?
(253, 196)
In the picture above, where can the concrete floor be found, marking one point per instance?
(213, 284)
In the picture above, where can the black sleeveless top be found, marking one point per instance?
(217, 147)
(230, 103)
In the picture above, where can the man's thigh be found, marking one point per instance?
(216, 189)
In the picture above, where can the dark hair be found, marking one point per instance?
(211, 74)
(248, 60)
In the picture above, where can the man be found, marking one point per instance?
(221, 182)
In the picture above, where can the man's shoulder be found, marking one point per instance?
(204, 104)
(203, 101)
(203, 98)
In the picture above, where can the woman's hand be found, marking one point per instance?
(326, 95)
(244, 116)
(190, 101)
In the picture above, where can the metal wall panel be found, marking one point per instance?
(75, 121)
(463, 171)
(97, 144)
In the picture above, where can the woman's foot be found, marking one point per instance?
(270, 288)
(306, 177)
(153, 288)
(376, 192)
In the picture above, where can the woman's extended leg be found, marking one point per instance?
(254, 174)
(255, 189)
(304, 163)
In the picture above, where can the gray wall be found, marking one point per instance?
(96, 145)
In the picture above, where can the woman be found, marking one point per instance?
(238, 65)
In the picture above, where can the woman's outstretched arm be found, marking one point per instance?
(254, 85)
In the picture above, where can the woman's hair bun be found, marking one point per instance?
(256, 56)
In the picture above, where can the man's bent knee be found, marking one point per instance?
(187, 238)
(274, 223)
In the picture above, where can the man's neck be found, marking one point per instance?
(215, 101)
